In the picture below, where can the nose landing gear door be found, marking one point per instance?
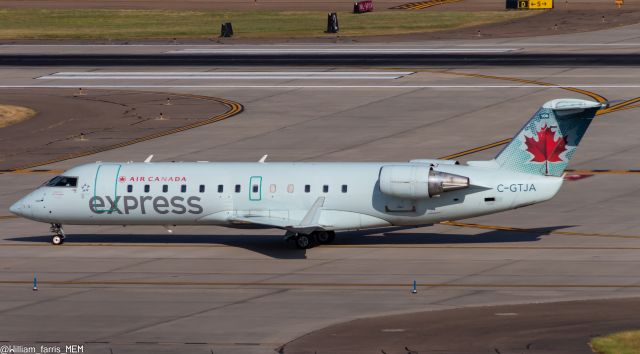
(105, 188)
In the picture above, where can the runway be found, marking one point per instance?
(139, 289)
(592, 49)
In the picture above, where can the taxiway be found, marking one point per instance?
(200, 289)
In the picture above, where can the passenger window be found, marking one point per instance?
(290, 188)
(344, 188)
(325, 189)
(307, 188)
(146, 188)
(255, 188)
(272, 188)
(220, 188)
(165, 188)
(183, 188)
(130, 188)
(62, 181)
(238, 188)
(202, 188)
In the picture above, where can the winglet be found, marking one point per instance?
(263, 159)
(313, 215)
(148, 159)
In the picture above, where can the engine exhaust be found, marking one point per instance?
(440, 182)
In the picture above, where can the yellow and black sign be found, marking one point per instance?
(541, 4)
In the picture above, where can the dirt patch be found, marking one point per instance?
(10, 114)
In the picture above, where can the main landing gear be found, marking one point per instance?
(306, 241)
(58, 234)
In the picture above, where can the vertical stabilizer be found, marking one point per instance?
(547, 142)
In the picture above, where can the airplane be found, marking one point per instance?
(313, 200)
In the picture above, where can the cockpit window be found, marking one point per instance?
(62, 181)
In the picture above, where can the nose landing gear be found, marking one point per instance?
(58, 234)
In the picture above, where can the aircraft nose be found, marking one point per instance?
(17, 208)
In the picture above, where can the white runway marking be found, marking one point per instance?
(513, 43)
(322, 86)
(346, 50)
(227, 75)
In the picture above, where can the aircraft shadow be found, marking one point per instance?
(273, 246)
(425, 238)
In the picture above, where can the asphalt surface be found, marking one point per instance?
(140, 289)
(82, 123)
(336, 59)
(554, 328)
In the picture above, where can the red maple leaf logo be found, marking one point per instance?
(122, 179)
(547, 148)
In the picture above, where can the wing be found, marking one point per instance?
(309, 222)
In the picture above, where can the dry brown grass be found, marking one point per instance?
(10, 114)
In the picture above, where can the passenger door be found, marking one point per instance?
(255, 188)
(106, 186)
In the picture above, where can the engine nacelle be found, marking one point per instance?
(418, 182)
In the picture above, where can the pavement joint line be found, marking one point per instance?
(398, 86)
(159, 343)
(346, 246)
(459, 50)
(531, 44)
(311, 284)
(550, 232)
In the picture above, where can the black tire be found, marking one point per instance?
(332, 236)
(325, 237)
(304, 241)
(57, 240)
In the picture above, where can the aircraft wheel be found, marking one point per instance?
(325, 237)
(57, 240)
(304, 241)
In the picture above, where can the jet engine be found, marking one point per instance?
(418, 181)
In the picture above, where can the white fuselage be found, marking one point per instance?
(190, 194)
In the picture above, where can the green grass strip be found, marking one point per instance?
(627, 342)
(159, 24)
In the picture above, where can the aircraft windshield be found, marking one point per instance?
(62, 181)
